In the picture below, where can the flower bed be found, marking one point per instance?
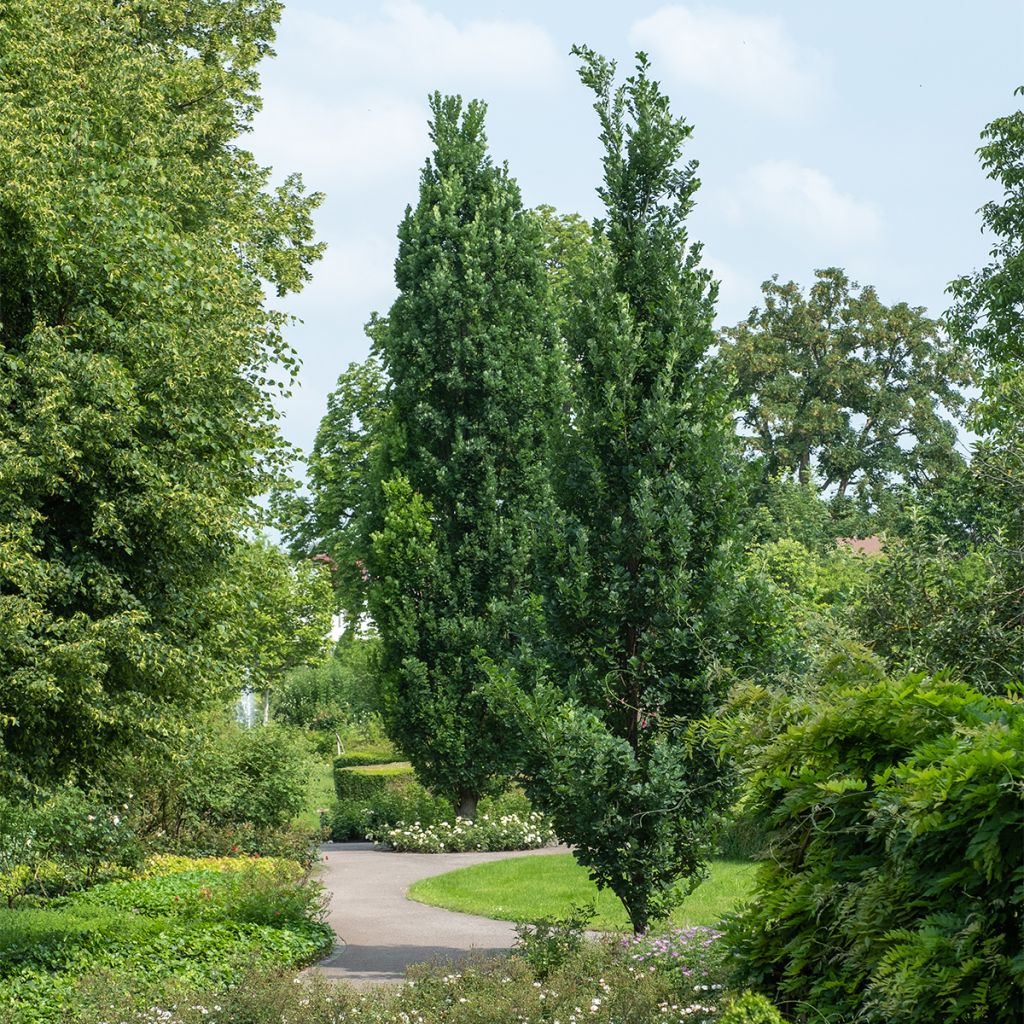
(504, 832)
(204, 922)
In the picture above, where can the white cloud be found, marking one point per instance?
(350, 143)
(744, 57)
(802, 201)
(409, 41)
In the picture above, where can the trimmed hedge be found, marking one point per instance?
(351, 783)
(359, 760)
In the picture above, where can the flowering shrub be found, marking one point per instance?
(598, 983)
(507, 832)
(694, 957)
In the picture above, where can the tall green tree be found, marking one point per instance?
(838, 389)
(281, 617)
(336, 516)
(467, 348)
(646, 501)
(988, 314)
(138, 361)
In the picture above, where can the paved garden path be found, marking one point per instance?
(380, 932)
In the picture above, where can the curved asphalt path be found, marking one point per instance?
(380, 932)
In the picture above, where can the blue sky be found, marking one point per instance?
(827, 134)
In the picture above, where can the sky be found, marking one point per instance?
(827, 134)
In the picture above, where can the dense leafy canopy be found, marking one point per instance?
(136, 423)
(344, 476)
(645, 500)
(279, 615)
(891, 885)
(467, 348)
(838, 388)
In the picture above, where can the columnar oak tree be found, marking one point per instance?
(643, 485)
(136, 420)
(467, 349)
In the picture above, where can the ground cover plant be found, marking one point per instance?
(199, 922)
(545, 888)
(680, 981)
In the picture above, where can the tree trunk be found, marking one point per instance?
(266, 705)
(466, 805)
(804, 471)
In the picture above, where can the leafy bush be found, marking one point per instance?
(508, 832)
(358, 783)
(364, 758)
(695, 957)
(331, 696)
(595, 983)
(225, 790)
(891, 890)
(549, 945)
(407, 801)
(202, 923)
(750, 1008)
(70, 839)
(928, 606)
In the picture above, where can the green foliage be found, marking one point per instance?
(891, 888)
(344, 474)
(832, 385)
(988, 315)
(399, 800)
(282, 616)
(202, 925)
(225, 787)
(750, 1008)
(138, 364)
(352, 783)
(695, 957)
(927, 606)
(645, 495)
(550, 944)
(68, 840)
(467, 347)
(485, 832)
(787, 610)
(989, 308)
(329, 698)
(598, 984)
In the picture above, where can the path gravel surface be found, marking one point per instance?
(380, 932)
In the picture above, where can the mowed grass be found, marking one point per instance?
(535, 888)
(319, 793)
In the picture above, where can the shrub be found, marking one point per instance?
(750, 1008)
(71, 839)
(228, 789)
(695, 957)
(595, 984)
(197, 923)
(508, 832)
(395, 805)
(356, 783)
(363, 758)
(891, 890)
(549, 945)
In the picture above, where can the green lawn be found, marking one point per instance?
(319, 793)
(533, 888)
